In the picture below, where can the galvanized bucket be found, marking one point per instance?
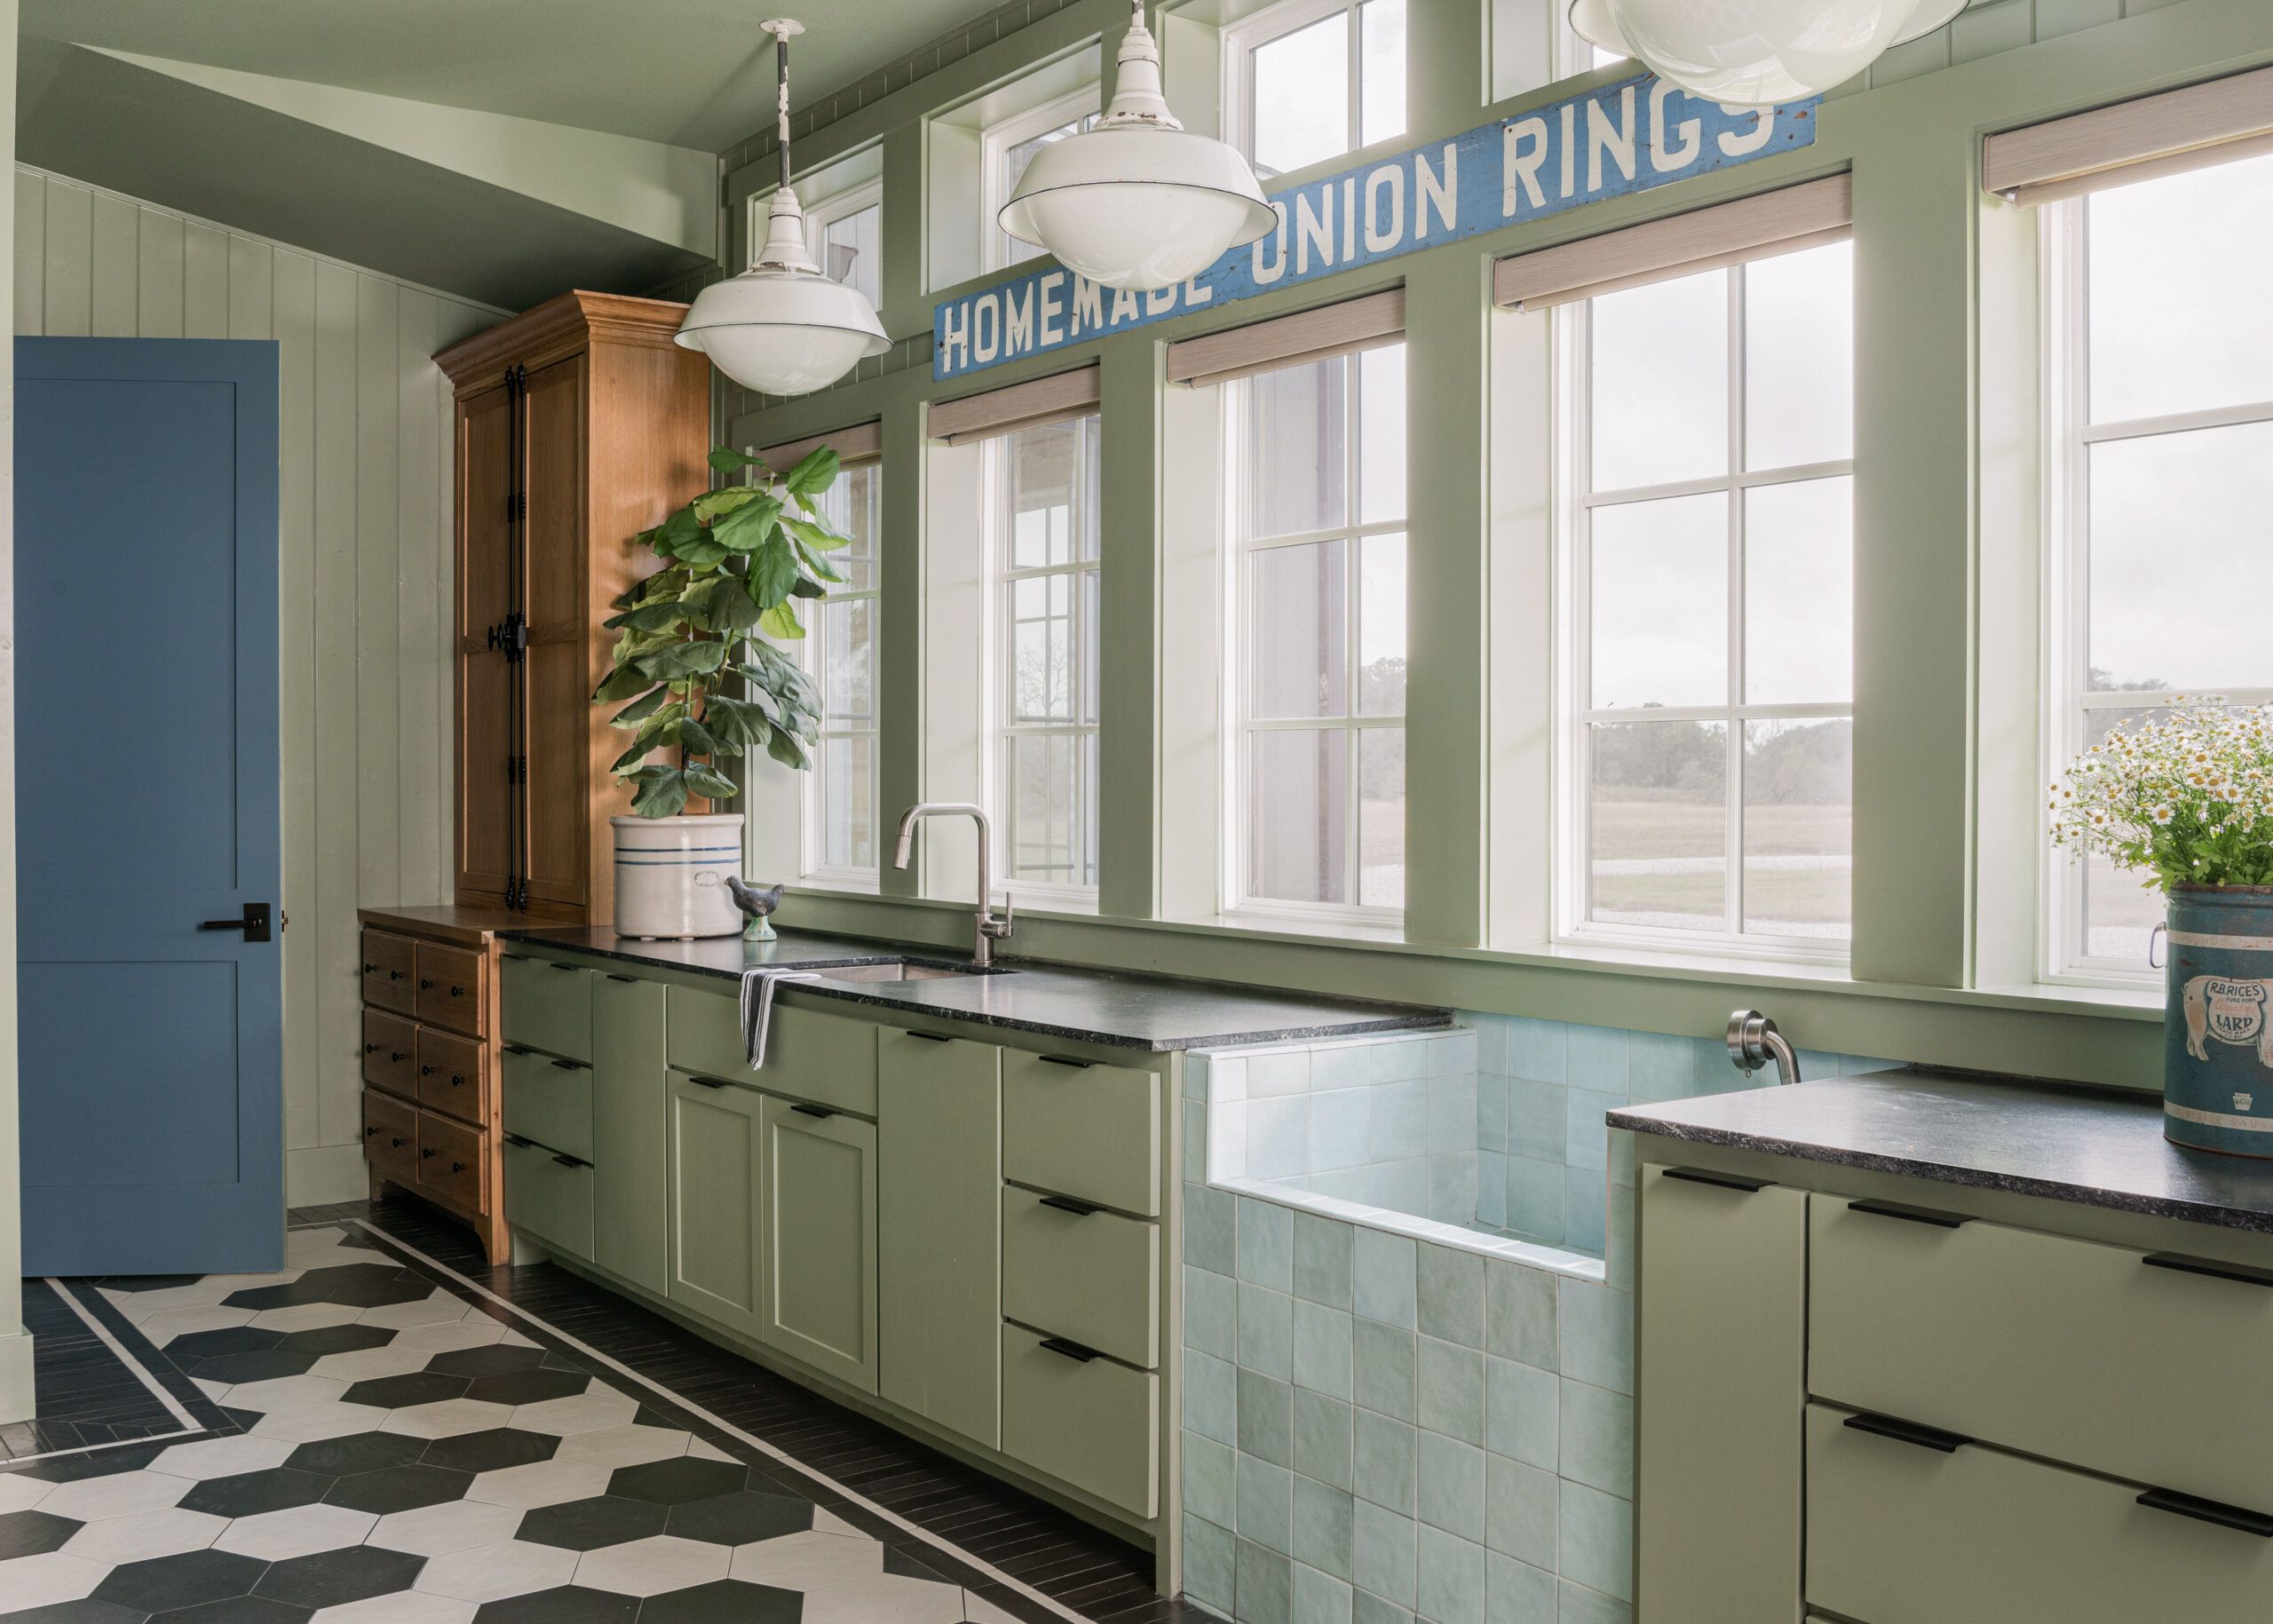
(2218, 1026)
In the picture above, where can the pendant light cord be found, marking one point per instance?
(782, 29)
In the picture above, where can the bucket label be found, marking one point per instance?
(2230, 1012)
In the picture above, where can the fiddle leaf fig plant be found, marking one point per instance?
(689, 653)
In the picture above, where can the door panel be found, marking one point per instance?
(821, 1240)
(485, 598)
(631, 1203)
(715, 1158)
(560, 706)
(151, 1050)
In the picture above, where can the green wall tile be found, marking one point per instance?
(1448, 1484)
(1383, 1553)
(1323, 1250)
(1522, 1408)
(1580, 1605)
(1519, 1510)
(1322, 1439)
(1211, 1406)
(1385, 1285)
(1323, 1526)
(1595, 1539)
(1369, 1609)
(1516, 1592)
(1264, 1586)
(1320, 1598)
(1384, 1462)
(1538, 1049)
(1535, 1195)
(1450, 1578)
(1535, 1119)
(1383, 1378)
(1266, 1332)
(1266, 1417)
(1597, 1438)
(1266, 1504)
(1586, 1191)
(1597, 1333)
(1211, 1320)
(1211, 1229)
(1323, 1347)
(1266, 1244)
(1519, 1313)
(1448, 1382)
(1451, 1295)
(1210, 1479)
(1597, 1059)
(1659, 1065)
(1208, 1564)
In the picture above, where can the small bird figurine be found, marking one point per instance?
(758, 904)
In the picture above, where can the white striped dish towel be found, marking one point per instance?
(757, 1008)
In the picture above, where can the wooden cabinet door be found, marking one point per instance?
(484, 600)
(716, 1260)
(560, 720)
(940, 1229)
(630, 1200)
(820, 1238)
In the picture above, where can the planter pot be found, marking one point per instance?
(2218, 1026)
(671, 876)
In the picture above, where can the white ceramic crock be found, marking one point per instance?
(671, 876)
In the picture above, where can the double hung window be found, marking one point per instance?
(1008, 147)
(1710, 613)
(845, 237)
(1314, 79)
(841, 653)
(1320, 636)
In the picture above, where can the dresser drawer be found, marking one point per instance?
(452, 985)
(389, 970)
(1093, 1278)
(549, 1196)
(2068, 1349)
(1897, 1534)
(1092, 1423)
(1087, 1130)
(449, 1159)
(390, 1052)
(549, 1101)
(390, 1137)
(829, 1059)
(547, 1005)
(449, 1073)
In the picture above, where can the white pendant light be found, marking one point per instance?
(1756, 53)
(782, 328)
(1139, 202)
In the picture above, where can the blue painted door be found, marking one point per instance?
(147, 804)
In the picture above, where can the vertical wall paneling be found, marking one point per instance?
(364, 579)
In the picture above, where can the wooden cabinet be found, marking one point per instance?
(579, 425)
(820, 1229)
(631, 1195)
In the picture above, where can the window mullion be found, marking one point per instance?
(1732, 789)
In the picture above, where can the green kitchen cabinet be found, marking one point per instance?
(630, 1194)
(829, 1059)
(940, 1229)
(547, 1005)
(716, 1142)
(820, 1239)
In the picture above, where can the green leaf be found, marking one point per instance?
(780, 622)
(704, 778)
(741, 720)
(649, 617)
(726, 459)
(731, 608)
(747, 529)
(700, 549)
(784, 747)
(639, 709)
(683, 660)
(662, 792)
(803, 587)
(773, 572)
(712, 504)
(624, 682)
(816, 472)
(691, 736)
(821, 538)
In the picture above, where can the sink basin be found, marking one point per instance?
(897, 970)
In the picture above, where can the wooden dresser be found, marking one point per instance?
(431, 1100)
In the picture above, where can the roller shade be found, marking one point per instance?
(1022, 406)
(863, 442)
(1367, 323)
(1704, 240)
(2152, 135)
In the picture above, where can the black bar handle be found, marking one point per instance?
(2248, 1275)
(614, 977)
(707, 1082)
(254, 924)
(557, 964)
(1910, 1432)
(1071, 1349)
(571, 1162)
(1066, 1203)
(1934, 1216)
(1713, 1175)
(2209, 1511)
(519, 1048)
(570, 1066)
(819, 1110)
(518, 1142)
(932, 1037)
(1069, 1060)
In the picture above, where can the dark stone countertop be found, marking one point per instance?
(1087, 1006)
(2099, 1147)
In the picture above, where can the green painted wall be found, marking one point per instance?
(1935, 969)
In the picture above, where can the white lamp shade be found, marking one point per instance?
(783, 332)
(1137, 206)
(1757, 53)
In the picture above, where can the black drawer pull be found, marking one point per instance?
(633, 980)
(370, 970)
(1934, 1216)
(517, 1049)
(517, 1143)
(398, 1144)
(569, 1066)
(1713, 1175)
(456, 1082)
(457, 992)
(1066, 1203)
(424, 984)
(457, 1166)
(367, 1132)
(932, 1037)
(1068, 1060)
(371, 1048)
(707, 1082)
(818, 1110)
(570, 1161)
(394, 975)
(429, 1151)
(395, 1055)
(1910, 1432)
(559, 966)
(426, 1071)
(1071, 1349)
(2209, 1511)
(2246, 1274)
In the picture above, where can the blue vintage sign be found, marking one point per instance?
(1624, 138)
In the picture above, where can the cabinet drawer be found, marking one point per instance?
(829, 1059)
(1897, 1534)
(449, 1159)
(450, 1073)
(548, 1006)
(1092, 1423)
(388, 970)
(390, 1137)
(549, 1101)
(1094, 1276)
(549, 1196)
(2068, 1349)
(452, 983)
(390, 1052)
(1093, 1131)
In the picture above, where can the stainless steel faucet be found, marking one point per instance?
(991, 929)
(1753, 1040)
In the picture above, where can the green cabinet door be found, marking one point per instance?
(940, 1229)
(715, 1137)
(630, 1200)
(820, 1231)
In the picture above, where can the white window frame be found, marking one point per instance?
(1241, 41)
(1574, 665)
(812, 845)
(996, 139)
(820, 213)
(998, 679)
(1239, 723)
(2068, 433)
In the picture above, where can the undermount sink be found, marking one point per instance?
(897, 970)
